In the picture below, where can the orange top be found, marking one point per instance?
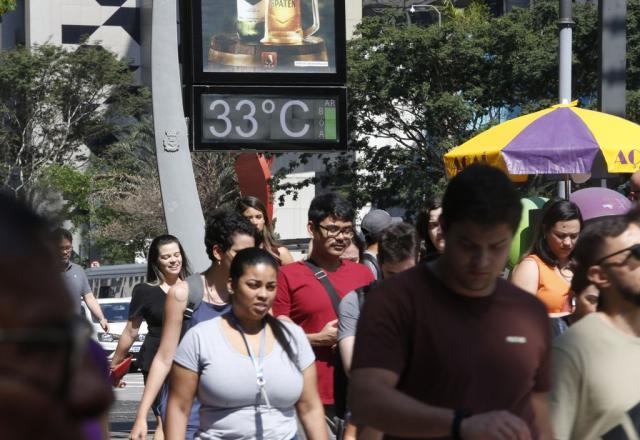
(553, 289)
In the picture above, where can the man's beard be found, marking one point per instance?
(629, 293)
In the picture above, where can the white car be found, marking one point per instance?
(116, 310)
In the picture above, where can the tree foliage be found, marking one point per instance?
(417, 91)
(7, 6)
(53, 102)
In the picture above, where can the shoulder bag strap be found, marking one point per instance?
(321, 276)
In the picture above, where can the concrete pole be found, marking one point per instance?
(565, 23)
(182, 210)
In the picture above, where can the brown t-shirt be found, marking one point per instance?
(452, 351)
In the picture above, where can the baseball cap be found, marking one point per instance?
(376, 221)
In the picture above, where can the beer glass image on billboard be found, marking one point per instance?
(284, 24)
(283, 36)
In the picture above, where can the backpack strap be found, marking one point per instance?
(196, 292)
(373, 262)
(321, 276)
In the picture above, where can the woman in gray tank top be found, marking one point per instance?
(250, 370)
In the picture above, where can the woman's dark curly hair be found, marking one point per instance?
(222, 226)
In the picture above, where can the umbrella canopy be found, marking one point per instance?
(599, 202)
(562, 139)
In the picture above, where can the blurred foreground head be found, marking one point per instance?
(49, 382)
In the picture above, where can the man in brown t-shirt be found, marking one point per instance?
(449, 350)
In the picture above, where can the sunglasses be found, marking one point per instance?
(634, 251)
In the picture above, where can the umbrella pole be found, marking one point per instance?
(564, 188)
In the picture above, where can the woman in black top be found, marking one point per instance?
(166, 265)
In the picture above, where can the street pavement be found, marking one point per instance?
(123, 411)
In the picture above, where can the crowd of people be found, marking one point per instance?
(391, 331)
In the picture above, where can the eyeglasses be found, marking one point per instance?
(634, 251)
(69, 337)
(333, 231)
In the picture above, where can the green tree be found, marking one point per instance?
(53, 102)
(417, 91)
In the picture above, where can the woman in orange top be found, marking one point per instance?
(546, 271)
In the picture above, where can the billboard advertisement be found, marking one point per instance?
(268, 41)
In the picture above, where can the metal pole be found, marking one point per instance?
(565, 24)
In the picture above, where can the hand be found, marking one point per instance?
(329, 334)
(495, 425)
(105, 325)
(139, 430)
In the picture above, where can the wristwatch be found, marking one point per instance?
(458, 416)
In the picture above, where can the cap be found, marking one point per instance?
(376, 221)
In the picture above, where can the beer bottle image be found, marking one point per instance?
(250, 19)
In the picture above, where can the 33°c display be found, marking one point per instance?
(265, 120)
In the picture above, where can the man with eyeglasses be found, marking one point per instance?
(75, 278)
(302, 293)
(596, 363)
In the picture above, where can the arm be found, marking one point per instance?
(347, 325)
(565, 395)
(285, 256)
(91, 302)
(309, 406)
(174, 307)
(525, 276)
(346, 352)
(540, 404)
(127, 338)
(183, 387)
(375, 402)
(327, 337)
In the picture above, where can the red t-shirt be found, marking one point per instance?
(452, 351)
(304, 299)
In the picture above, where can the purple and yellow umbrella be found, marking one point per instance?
(562, 139)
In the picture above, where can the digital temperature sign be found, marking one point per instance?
(269, 118)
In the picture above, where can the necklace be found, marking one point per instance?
(212, 294)
(566, 276)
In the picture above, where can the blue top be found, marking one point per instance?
(207, 311)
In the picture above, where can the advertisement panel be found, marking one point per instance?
(268, 41)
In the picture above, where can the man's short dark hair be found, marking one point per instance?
(330, 205)
(483, 195)
(222, 226)
(398, 242)
(591, 241)
(61, 234)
